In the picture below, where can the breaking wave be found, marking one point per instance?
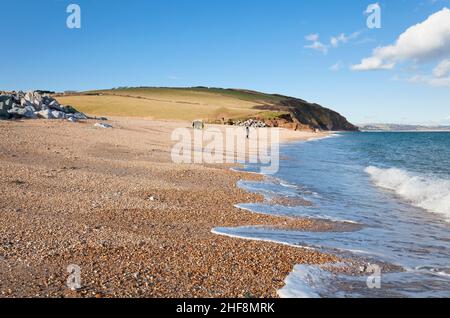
(429, 193)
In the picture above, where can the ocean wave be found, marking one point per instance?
(331, 135)
(429, 193)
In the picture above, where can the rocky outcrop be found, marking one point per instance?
(317, 117)
(33, 105)
(308, 116)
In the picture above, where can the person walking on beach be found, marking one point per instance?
(247, 130)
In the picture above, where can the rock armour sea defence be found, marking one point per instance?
(33, 105)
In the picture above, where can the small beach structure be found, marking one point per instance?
(198, 124)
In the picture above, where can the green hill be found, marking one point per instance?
(211, 104)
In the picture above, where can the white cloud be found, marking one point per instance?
(343, 38)
(440, 77)
(372, 63)
(337, 39)
(316, 44)
(443, 69)
(312, 37)
(334, 42)
(422, 42)
(337, 66)
(433, 81)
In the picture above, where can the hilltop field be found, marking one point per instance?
(173, 103)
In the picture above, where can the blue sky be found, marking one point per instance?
(254, 44)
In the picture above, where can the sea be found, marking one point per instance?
(393, 186)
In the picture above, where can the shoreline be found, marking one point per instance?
(74, 194)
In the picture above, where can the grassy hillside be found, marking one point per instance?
(158, 103)
(204, 103)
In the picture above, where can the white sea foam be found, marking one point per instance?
(242, 170)
(331, 135)
(429, 193)
(228, 232)
(305, 281)
(288, 185)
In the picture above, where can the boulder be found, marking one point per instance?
(54, 105)
(24, 102)
(26, 112)
(103, 125)
(5, 105)
(58, 114)
(29, 97)
(7, 101)
(80, 116)
(46, 100)
(4, 114)
(45, 114)
(37, 100)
